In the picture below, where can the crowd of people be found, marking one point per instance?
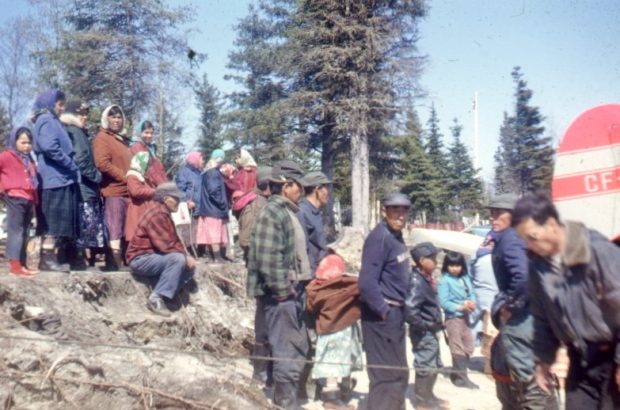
(541, 281)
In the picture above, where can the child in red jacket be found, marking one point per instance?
(18, 183)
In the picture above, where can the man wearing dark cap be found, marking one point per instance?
(277, 263)
(156, 250)
(423, 313)
(511, 313)
(317, 196)
(383, 282)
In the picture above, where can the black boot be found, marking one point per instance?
(442, 404)
(110, 263)
(285, 395)
(460, 378)
(347, 385)
(50, 263)
(119, 260)
(77, 259)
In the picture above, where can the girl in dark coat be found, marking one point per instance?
(213, 209)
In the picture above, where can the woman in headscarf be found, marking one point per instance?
(189, 181)
(143, 142)
(112, 158)
(92, 233)
(243, 182)
(59, 216)
(140, 192)
(213, 209)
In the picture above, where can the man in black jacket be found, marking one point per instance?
(423, 313)
(575, 300)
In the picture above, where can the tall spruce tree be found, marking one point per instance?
(465, 188)
(115, 50)
(434, 148)
(524, 161)
(353, 66)
(209, 104)
(171, 133)
(418, 177)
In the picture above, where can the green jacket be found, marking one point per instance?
(272, 265)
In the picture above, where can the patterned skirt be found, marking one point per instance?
(344, 348)
(211, 231)
(93, 233)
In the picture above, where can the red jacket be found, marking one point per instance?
(140, 195)
(16, 177)
(155, 234)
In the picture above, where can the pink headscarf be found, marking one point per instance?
(330, 267)
(194, 158)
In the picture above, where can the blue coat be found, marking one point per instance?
(312, 222)
(189, 181)
(213, 199)
(53, 146)
(453, 291)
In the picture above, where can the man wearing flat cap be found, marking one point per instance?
(383, 282)
(155, 250)
(277, 264)
(511, 312)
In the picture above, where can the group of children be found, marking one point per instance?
(427, 297)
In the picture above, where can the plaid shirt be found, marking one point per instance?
(272, 260)
(155, 234)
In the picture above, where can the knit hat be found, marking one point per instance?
(167, 189)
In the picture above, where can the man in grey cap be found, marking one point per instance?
(277, 265)
(511, 313)
(156, 250)
(317, 196)
(383, 283)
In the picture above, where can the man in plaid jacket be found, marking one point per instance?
(277, 262)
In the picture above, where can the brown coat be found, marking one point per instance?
(335, 303)
(248, 216)
(140, 196)
(112, 158)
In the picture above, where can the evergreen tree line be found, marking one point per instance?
(328, 83)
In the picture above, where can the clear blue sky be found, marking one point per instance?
(568, 51)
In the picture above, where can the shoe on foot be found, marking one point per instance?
(156, 305)
(17, 269)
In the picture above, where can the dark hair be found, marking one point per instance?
(276, 188)
(454, 258)
(262, 185)
(310, 189)
(537, 206)
(60, 96)
(23, 130)
(115, 110)
(147, 125)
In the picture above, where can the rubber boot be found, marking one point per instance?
(460, 378)
(347, 385)
(331, 400)
(424, 393)
(49, 262)
(110, 263)
(117, 255)
(285, 395)
(77, 259)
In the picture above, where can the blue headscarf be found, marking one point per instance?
(26, 158)
(46, 101)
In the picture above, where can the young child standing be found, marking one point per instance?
(458, 300)
(423, 314)
(18, 183)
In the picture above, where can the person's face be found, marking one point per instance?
(544, 240)
(396, 217)
(427, 264)
(59, 107)
(455, 270)
(115, 122)
(23, 143)
(292, 191)
(83, 116)
(171, 203)
(322, 194)
(147, 135)
(500, 219)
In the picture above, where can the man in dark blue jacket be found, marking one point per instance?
(383, 283)
(511, 313)
(575, 300)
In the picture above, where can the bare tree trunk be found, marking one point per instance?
(360, 179)
(327, 166)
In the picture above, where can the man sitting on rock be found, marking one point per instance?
(156, 250)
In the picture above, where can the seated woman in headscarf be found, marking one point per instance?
(213, 209)
(143, 142)
(140, 192)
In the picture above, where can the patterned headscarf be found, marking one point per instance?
(140, 162)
